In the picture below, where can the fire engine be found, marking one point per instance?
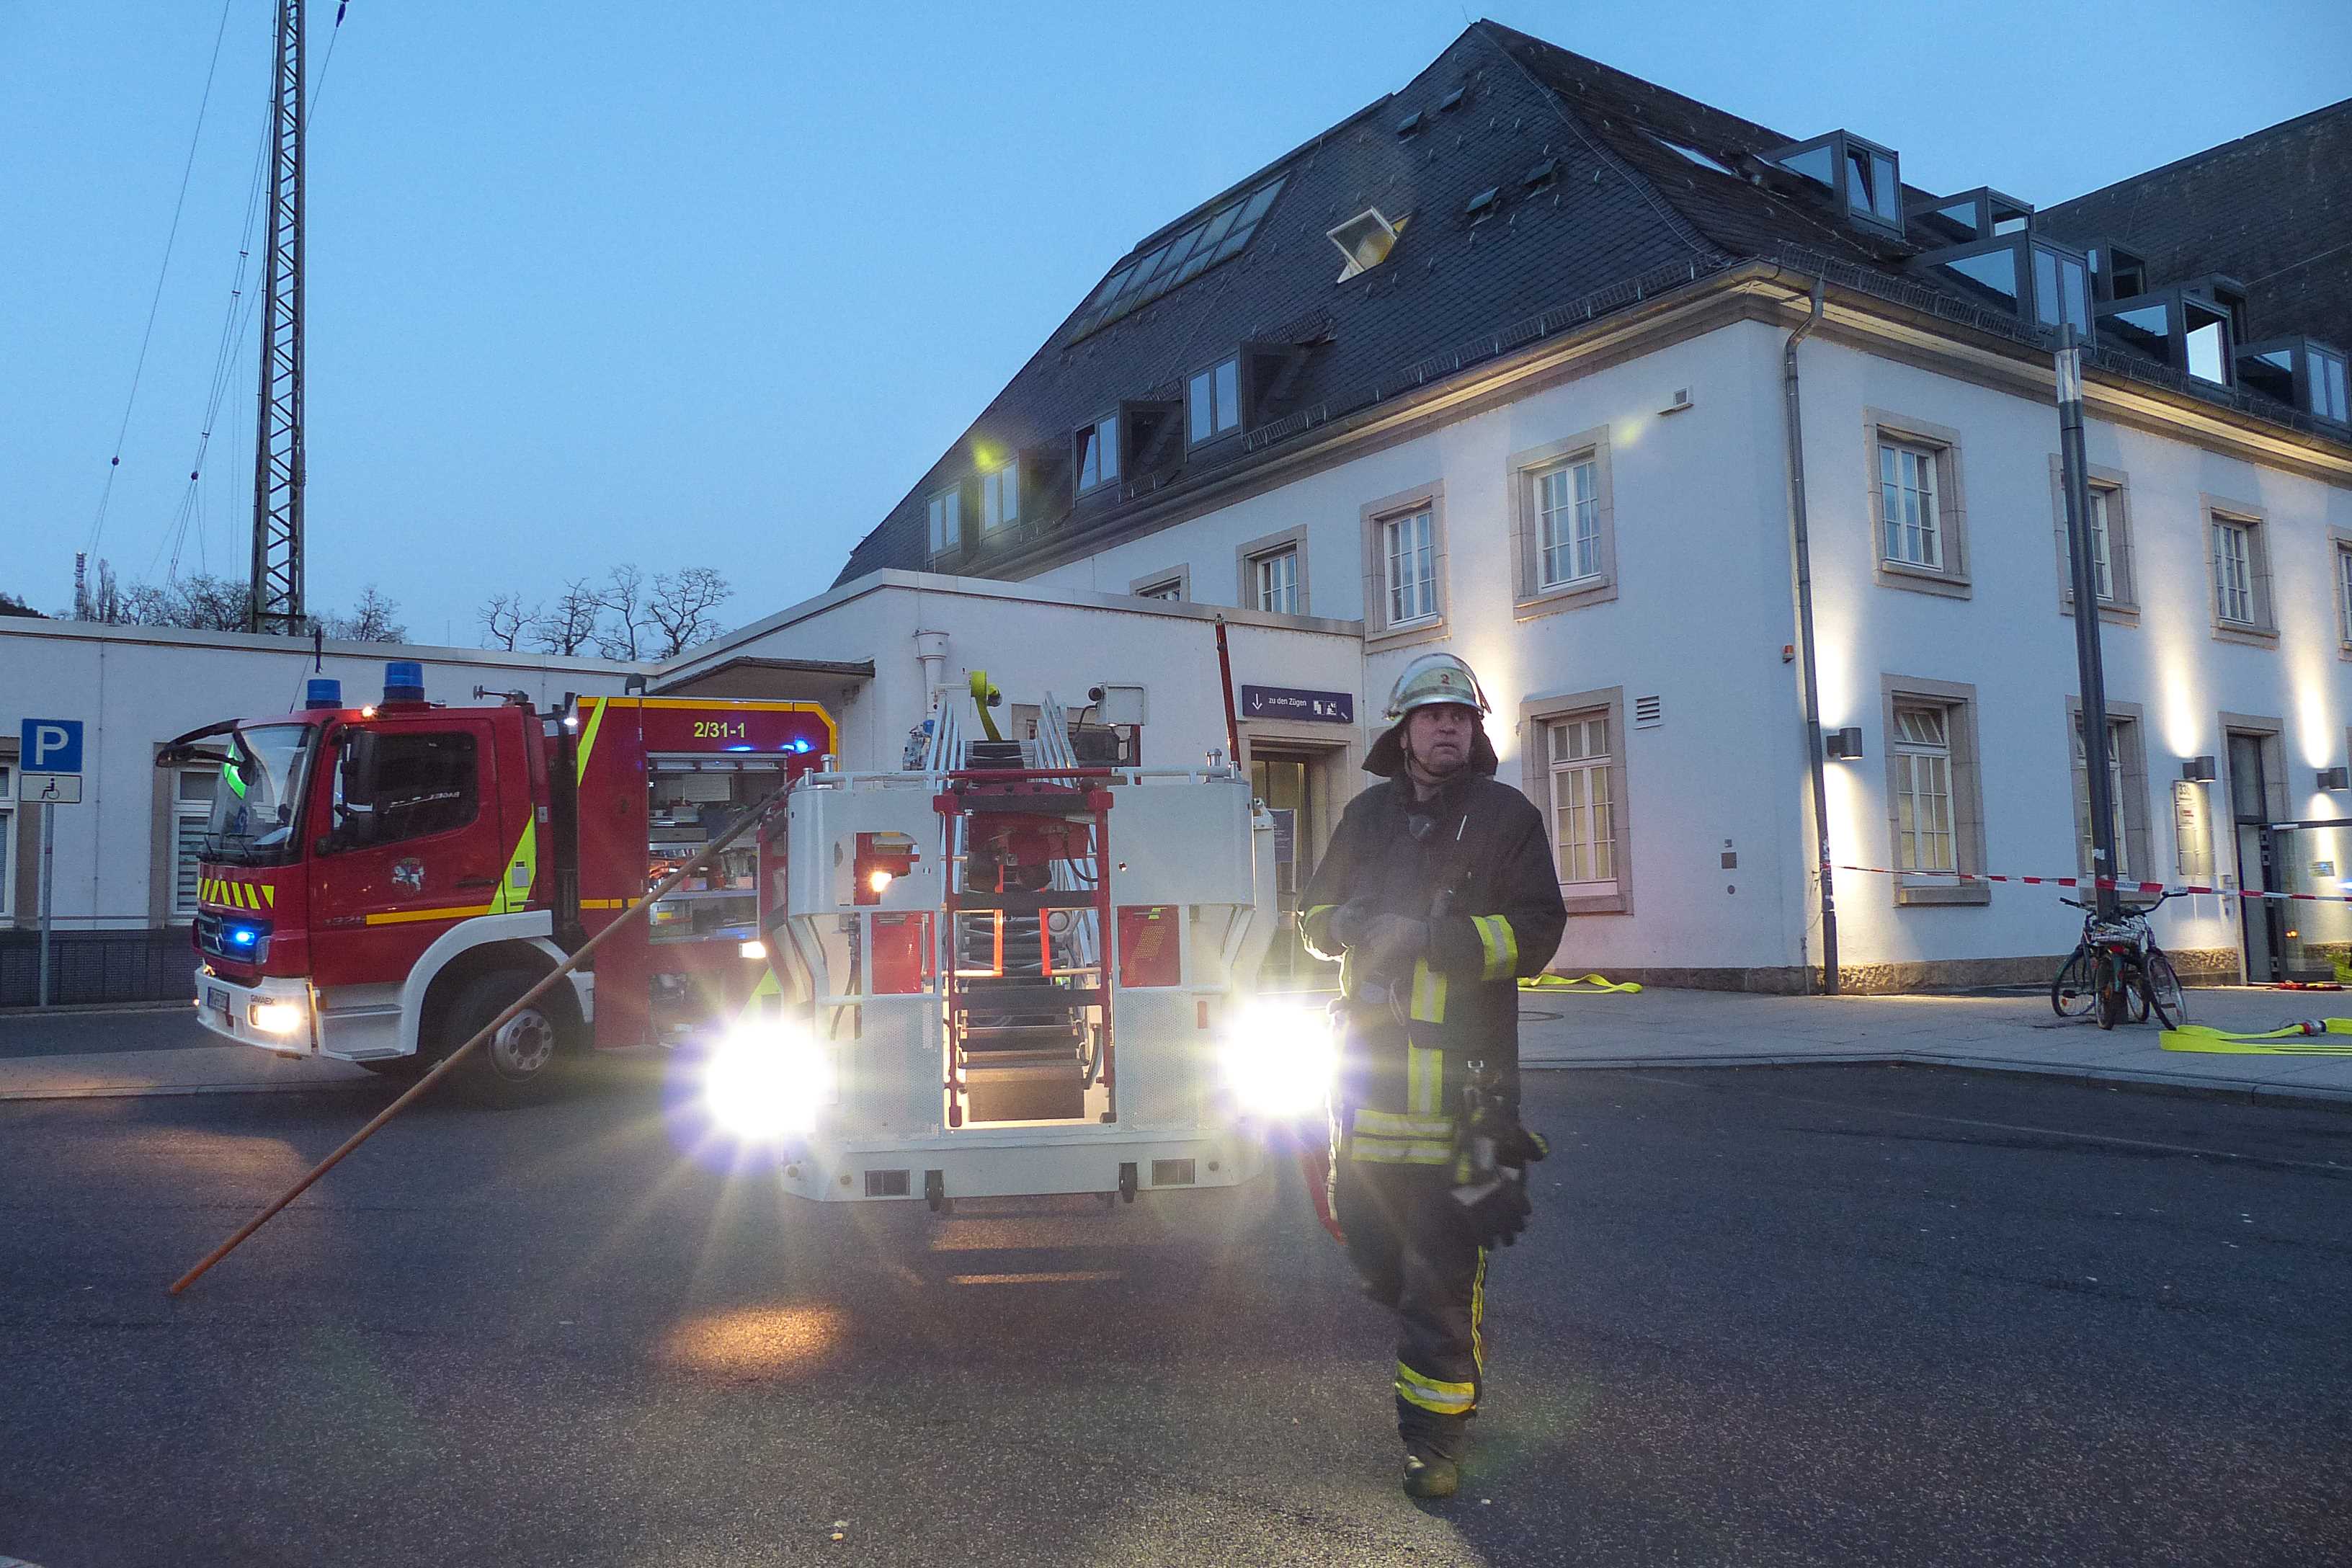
(377, 883)
(997, 971)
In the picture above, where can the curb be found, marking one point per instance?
(150, 1092)
(87, 1009)
(2249, 1090)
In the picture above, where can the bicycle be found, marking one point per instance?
(2117, 969)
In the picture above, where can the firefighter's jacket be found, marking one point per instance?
(1482, 844)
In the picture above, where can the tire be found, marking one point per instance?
(524, 1058)
(2115, 992)
(2161, 985)
(2136, 992)
(2074, 989)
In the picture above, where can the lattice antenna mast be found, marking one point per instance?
(278, 446)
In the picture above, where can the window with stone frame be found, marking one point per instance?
(1918, 517)
(1935, 791)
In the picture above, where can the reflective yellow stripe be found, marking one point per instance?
(1425, 1080)
(595, 706)
(1500, 943)
(1428, 992)
(1478, 1315)
(1430, 1394)
(513, 893)
(1390, 1124)
(1400, 1151)
(405, 916)
(270, 894)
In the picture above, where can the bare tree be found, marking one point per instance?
(12, 605)
(370, 620)
(504, 621)
(199, 603)
(627, 629)
(684, 608)
(570, 625)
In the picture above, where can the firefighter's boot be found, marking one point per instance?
(1429, 1475)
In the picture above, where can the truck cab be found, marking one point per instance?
(378, 883)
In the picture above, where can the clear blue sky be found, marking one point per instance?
(690, 283)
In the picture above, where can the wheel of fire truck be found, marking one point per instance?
(524, 1056)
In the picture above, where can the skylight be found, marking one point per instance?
(1483, 203)
(1365, 240)
(1693, 155)
(1219, 237)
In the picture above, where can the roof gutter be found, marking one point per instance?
(1800, 557)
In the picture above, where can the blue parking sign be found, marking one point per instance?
(49, 746)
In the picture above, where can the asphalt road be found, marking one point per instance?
(1777, 1316)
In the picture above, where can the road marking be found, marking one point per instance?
(2329, 1167)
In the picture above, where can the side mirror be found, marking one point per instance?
(359, 769)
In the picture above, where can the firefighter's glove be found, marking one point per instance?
(1517, 1147)
(1391, 942)
(1496, 1209)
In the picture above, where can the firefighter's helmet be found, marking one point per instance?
(1435, 678)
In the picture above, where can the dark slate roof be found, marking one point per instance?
(2273, 210)
(1621, 215)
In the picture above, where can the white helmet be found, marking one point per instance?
(1435, 678)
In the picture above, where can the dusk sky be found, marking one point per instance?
(689, 284)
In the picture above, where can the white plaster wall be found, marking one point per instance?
(2012, 642)
(1702, 628)
(135, 686)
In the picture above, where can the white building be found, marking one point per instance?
(1498, 366)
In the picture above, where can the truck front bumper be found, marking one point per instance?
(273, 1013)
(991, 1164)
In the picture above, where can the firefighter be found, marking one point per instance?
(1437, 892)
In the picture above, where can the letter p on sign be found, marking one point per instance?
(49, 746)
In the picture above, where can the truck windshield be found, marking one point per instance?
(258, 809)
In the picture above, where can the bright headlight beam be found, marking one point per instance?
(275, 1017)
(767, 1079)
(1279, 1058)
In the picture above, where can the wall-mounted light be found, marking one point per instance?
(2336, 778)
(1842, 745)
(2198, 770)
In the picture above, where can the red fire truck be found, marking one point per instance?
(379, 882)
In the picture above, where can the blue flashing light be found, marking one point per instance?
(738, 748)
(800, 745)
(324, 691)
(243, 936)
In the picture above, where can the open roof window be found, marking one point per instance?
(1485, 205)
(1982, 213)
(1693, 156)
(1365, 240)
(2184, 330)
(1866, 178)
(1219, 237)
(2301, 373)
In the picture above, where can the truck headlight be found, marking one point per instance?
(1279, 1058)
(767, 1079)
(277, 1017)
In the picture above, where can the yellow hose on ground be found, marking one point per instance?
(2303, 1039)
(1581, 984)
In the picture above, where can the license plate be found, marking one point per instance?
(216, 1001)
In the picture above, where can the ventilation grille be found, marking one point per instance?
(1649, 713)
(1172, 1172)
(886, 1184)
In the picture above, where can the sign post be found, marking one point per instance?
(48, 756)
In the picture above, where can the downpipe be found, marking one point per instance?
(1802, 565)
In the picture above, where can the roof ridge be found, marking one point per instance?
(2218, 149)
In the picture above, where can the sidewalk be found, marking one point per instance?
(1654, 1028)
(1661, 1029)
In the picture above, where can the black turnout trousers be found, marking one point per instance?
(1407, 1240)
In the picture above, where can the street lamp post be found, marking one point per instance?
(2090, 669)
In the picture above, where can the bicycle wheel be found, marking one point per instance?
(2162, 985)
(2136, 991)
(2114, 989)
(2074, 989)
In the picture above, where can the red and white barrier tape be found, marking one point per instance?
(2116, 883)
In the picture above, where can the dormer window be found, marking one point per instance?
(2118, 272)
(2178, 328)
(1095, 460)
(1000, 496)
(1865, 178)
(1364, 240)
(945, 510)
(1982, 213)
(1213, 401)
(2300, 373)
(1998, 263)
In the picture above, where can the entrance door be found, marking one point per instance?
(2314, 858)
(2262, 919)
(1286, 782)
